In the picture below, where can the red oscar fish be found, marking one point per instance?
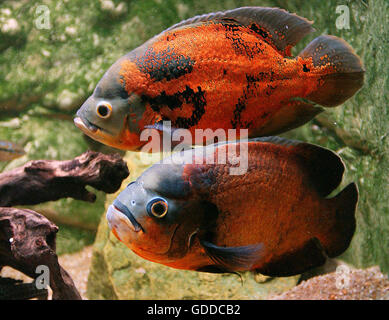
(226, 70)
(276, 218)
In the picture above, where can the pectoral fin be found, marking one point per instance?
(234, 258)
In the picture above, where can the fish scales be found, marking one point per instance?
(245, 82)
(225, 70)
(273, 177)
(274, 218)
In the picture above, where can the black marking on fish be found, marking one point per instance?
(165, 64)
(171, 36)
(266, 36)
(260, 76)
(305, 69)
(156, 103)
(269, 90)
(250, 90)
(175, 101)
(230, 25)
(239, 107)
(233, 33)
(234, 258)
(199, 103)
(259, 30)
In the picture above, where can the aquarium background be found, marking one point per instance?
(46, 74)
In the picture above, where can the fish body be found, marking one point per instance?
(229, 70)
(275, 218)
(10, 151)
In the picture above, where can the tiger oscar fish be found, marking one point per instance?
(228, 70)
(276, 218)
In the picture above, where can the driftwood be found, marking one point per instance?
(27, 241)
(27, 238)
(11, 289)
(48, 180)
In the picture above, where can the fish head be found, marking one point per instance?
(104, 116)
(156, 215)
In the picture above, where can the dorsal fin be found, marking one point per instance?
(277, 26)
(324, 166)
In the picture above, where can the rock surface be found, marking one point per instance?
(368, 284)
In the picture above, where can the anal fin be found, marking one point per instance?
(309, 255)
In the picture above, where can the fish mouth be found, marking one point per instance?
(123, 214)
(85, 125)
(97, 133)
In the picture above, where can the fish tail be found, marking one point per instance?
(342, 70)
(340, 233)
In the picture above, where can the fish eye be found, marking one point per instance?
(133, 202)
(104, 110)
(157, 208)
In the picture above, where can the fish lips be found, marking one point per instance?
(97, 133)
(118, 212)
(84, 125)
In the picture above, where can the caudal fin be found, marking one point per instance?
(342, 68)
(343, 206)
